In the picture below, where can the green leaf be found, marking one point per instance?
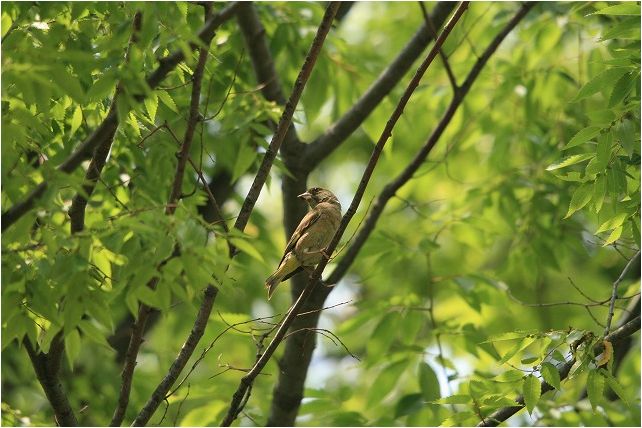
(615, 385)
(614, 236)
(72, 347)
(72, 314)
(6, 23)
(626, 8)
(570, 160)
(599, 82)
(76, 120)
(408, 404)
(522, 344)
(595, 387)
(531, 390)
(613, 222)
(428, 382)
(582, 136)
(386, 380)
(68, 83)
(622, 88)
(167, 100)
(247, 248)
(455, 399)
(603, 153)
(551, 375)
(134, 123)
(509, 376)
(99, 309)
(132, 303)
(102, 87)
(581, 197)
(94, 334)
(383, 335)
(151, 104)
(510, 335)
(244, 159)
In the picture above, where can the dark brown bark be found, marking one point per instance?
(47, 367)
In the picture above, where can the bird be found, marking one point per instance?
(309, 240)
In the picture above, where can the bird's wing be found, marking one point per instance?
(308, 220)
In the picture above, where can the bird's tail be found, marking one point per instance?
(289, 265)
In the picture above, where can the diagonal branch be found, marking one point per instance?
(444, 58)
(263, 64)
(160, 393)
(339, 131)
(110, 123)
(391, 188)
(242, 393)
(616, 336)
(135, 341)
(286, 118)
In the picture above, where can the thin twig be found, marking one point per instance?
(326, 333)
(635, 258)
(444, 58)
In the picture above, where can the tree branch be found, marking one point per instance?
(391, 188)
(110, 122)
(634, 259)
(160, 393)
(242, 392)
(175, 194)
(263, 65)
(339, 131)
(504, 413)
(79, 202)
(47, 367)
(444, 58)
(295, 360)
(286, 118)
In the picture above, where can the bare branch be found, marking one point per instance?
(634, 259)
(286, 118)
(110, 122)
(444, 58)
(337, 133)
(179, 363)
(246, 382)
(391, 188)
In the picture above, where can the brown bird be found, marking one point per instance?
(308, 242)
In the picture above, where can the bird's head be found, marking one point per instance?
(316, 195)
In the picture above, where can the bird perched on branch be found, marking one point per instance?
(313, 234)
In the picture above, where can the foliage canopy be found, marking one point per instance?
(489, 269)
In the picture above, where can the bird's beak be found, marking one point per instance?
(305, 196)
